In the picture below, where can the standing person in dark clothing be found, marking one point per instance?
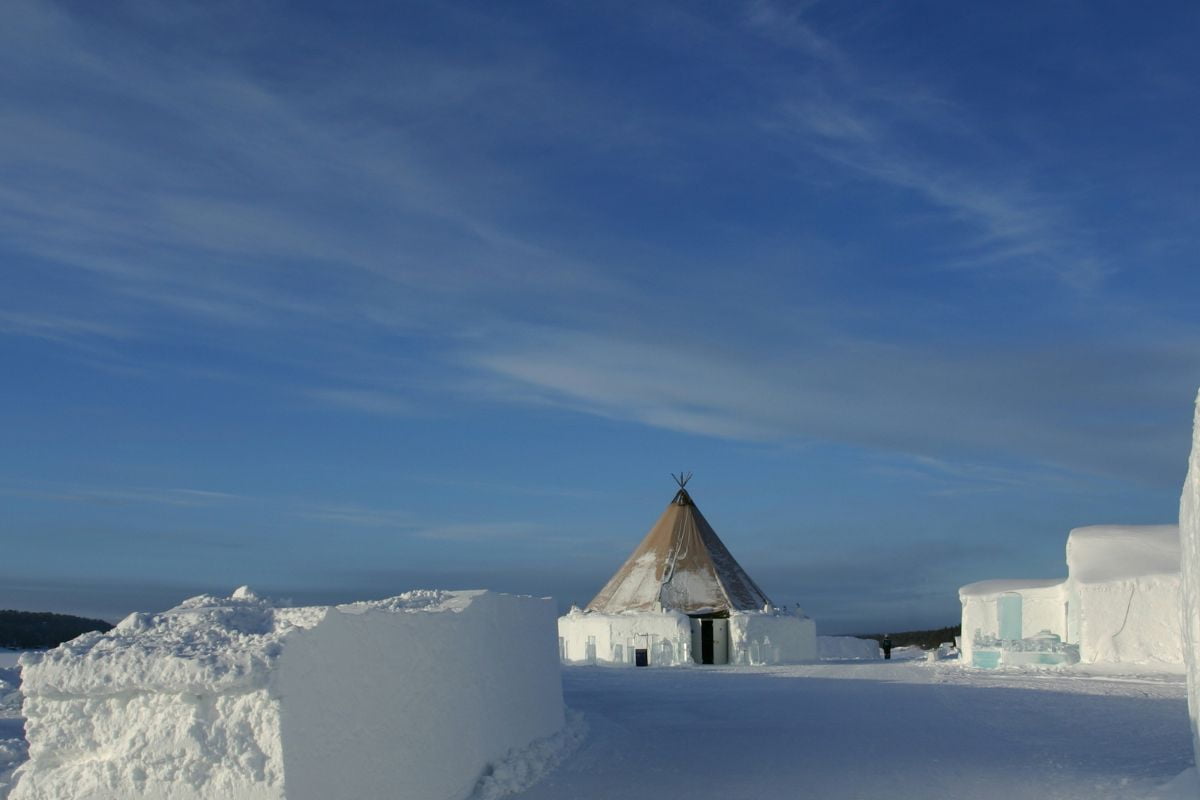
(886, 644)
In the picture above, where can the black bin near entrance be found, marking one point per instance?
(641, 657)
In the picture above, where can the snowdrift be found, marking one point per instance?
(233, 698)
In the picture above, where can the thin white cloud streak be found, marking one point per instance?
(411, 525)
(1061, 405)
(361, 516)
(868, 124)
(256, 205)
(115, 496)
(481, 532)
(366, 400)
(251, 180)
(58, 328)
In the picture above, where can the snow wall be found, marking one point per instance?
(771, 638)
(1124, 593)
(233, 698)
(592, 637)
(847, 648)
(1189, 539)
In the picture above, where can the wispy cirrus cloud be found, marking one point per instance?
(212, 188)
(1046, 405)
(361, 516)
(121, 496)
(367, 400)
(898, 131)
(415, 526)
(58, 328)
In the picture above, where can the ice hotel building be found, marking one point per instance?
(681, 598)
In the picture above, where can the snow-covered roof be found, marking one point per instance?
(1100, 553)
(680, 565)
(1002, 585)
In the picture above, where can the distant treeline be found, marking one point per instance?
(924, 639)
(29, 630)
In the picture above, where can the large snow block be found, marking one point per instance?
(232, 698)
(771, 638)
(1189, 540)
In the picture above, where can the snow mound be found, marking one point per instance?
(1101, 553)
(231, 697)
(206, 644)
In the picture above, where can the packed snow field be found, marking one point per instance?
(871, 729)
(864, 729)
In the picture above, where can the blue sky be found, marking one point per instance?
(339, 302)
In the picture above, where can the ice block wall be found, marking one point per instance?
(1189, 539)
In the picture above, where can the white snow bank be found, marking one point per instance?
(1189, 538)
(1102, 553)
(233, 698)
(845, 648)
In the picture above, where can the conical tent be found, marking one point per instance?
(681, 565)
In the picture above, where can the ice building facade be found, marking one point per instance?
(1189, 540)
(231, 697)
(682, 598)
(1120, 603)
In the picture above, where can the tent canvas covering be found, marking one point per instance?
(681, 565)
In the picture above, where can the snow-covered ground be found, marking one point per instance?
(871, 729)
(854, 729)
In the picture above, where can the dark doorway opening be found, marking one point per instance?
(706, 641)
(641, 657)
